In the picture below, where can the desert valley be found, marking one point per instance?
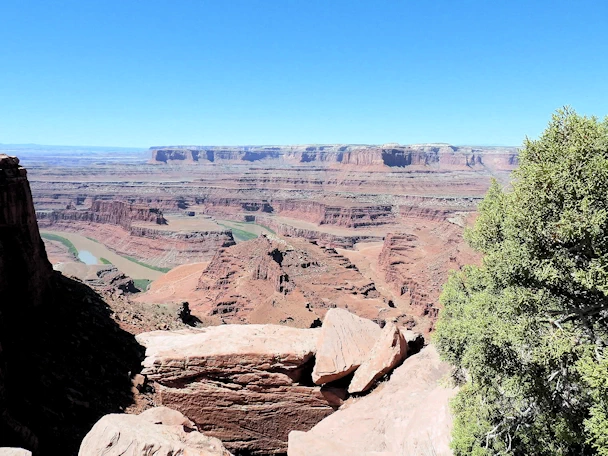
(268, 296)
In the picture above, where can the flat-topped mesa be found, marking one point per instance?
(111, 212)
(24, 267)
(391, 155)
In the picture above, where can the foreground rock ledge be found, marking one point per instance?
(160, 432)
(248, 385)
(408, 415)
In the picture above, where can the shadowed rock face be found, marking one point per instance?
(64, 362)
(24, 267)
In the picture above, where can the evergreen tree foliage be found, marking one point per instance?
(528, 328)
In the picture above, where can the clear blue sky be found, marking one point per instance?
(147, 72)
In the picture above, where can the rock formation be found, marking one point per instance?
(388, 351)
(440, 155)
(139, 231)
(159, 431)
(99, 276)
(244, 384)
(344, 344)
(271, 280)
(72, 364)
(14, 452)
(25, 276)
(407, 415)
(24, 268)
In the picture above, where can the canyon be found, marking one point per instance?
(262, 274)
(189, 204)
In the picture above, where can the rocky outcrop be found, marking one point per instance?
(159, 431)
(407, 415)
(388, 351)
(99, 276)
(24, 268)
(244, 384)
(72, 364)
(25, 280)
(344, 344)
(272, 280)
(14, 452)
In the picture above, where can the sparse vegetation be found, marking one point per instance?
(149, 266)
(105, 261)
(238, 234)
(142, 284)
(54, 237)
(528, 328)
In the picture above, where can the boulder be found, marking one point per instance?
(157, 431)
(409, 414)
(248, 385)
(14, 451)
(390, 349)
(344, 344)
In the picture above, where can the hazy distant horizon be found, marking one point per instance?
(4, 146)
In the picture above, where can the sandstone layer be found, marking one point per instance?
(344, 344)
(389, 350)
(392, 155)
(243, 384)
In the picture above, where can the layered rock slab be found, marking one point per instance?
(408, 415)
(344, 344)
(247, 385)
(388, 351)
(160, 432)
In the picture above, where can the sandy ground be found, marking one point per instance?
(133, 270)
(180, 222)
(175, 285)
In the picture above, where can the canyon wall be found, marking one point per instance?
(138, 231)
(437, 155)
(24, 268)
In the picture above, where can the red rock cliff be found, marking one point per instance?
(24, 267)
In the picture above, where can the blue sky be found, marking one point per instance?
(143, 73)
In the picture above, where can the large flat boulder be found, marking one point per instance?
(161, 432)
(388, 351)
(345, 342)
(407, 415)
(248, 385)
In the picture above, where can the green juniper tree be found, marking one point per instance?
(528, 329)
